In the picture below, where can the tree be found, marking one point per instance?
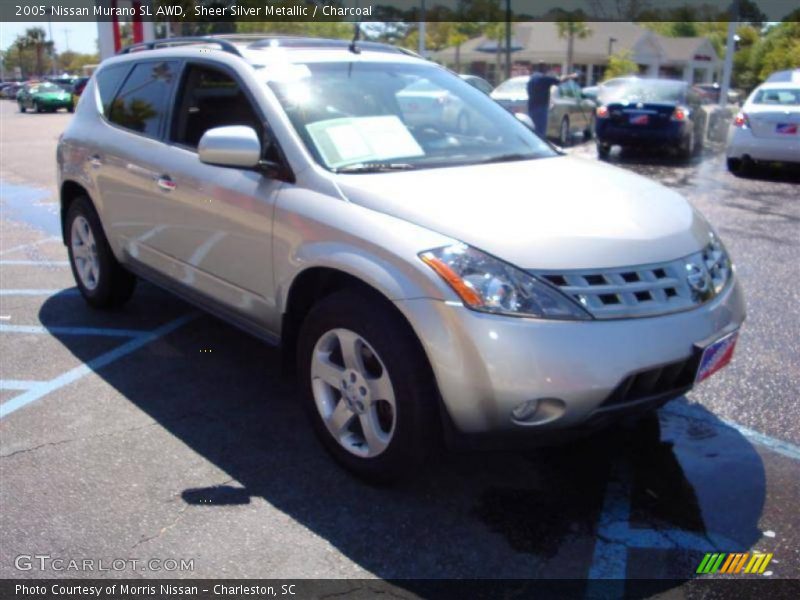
(621, 64)
(571, 30)
(36, 38)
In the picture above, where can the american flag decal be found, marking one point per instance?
(716, 356)
(786, 128)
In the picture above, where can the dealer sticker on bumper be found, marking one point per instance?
(716, 356)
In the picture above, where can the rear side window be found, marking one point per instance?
(141, 104)
(108, 81)
(784, 97)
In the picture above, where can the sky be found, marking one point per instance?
(82, 35)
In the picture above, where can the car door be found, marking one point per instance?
(215, 222)
(126, 154)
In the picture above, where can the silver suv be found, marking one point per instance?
(432, 273)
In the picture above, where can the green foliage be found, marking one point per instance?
(621, 64)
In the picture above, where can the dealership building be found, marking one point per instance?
(692, 59)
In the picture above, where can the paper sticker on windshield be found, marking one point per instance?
(363, 139)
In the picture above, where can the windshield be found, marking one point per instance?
(45, 88)
(646, 91)
(380, 116)
(780, 97)
(513, 86)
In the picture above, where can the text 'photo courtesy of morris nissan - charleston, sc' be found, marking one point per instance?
(425, 288)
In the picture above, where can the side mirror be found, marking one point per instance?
(525, 120)
(232, 146)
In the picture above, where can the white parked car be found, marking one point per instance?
(767, 128)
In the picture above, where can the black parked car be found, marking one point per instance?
(651, 112)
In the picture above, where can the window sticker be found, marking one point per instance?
(363, 139)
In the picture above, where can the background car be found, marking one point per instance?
(478, 82)
(10, 91)
(44, 97)
(77, 89)
(426, 105)
(767, 128)
(651, 112)
(710, 93)
(570, 113)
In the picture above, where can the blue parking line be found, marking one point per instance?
(35, 263)
(95, 364)
(57, 330)
(779, 446)
(18, 384)
(39, 292)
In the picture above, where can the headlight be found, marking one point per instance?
(717, 262)
(487, 284)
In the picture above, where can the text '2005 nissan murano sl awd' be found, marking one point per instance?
(432, 263)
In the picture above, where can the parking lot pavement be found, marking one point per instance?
(157, 432)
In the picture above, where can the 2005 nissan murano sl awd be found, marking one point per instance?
(434, 265)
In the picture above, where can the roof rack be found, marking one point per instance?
(310, 42)
(225, 45)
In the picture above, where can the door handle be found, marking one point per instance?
(95, 161)
(166, 183)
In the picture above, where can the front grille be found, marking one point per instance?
(644, 290)
(665, 382)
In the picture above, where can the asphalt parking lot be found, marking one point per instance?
(157, 432)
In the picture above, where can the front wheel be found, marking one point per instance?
(366, 385)
(22, 108)
(36, 107)
(102, 281)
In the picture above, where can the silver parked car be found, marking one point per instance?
(570, 114)
(423, 284)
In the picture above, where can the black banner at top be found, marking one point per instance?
(399, 10)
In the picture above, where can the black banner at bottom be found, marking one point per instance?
(350, 589)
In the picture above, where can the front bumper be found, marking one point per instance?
(486, 365)
(742, 142)
(54, 104)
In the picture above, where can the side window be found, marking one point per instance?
(141, 103)
(210, 98)
(108, 81)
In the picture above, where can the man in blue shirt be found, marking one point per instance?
(539, 96)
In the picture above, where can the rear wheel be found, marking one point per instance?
(563, 132)
(603, 150)
(102, 281)
(366, 386)
(739, 166)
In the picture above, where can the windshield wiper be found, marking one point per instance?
(376, 167)
(506, 158)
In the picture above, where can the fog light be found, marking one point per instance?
(526, 410)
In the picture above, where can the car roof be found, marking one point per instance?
(779, 85)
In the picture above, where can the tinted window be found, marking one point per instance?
(108, 81)
(142, 101)
(210, 98)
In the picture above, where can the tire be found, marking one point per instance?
(603, 150)
(22, 108)
(563, 132)
(36, 107)
(686, 147)
(388, 362)
(71, 108)
(102, 281)
(740, 167)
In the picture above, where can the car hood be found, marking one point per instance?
(550, 213)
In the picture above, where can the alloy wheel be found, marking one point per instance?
(353, 393)
(84, 253)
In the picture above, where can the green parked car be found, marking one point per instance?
(43, 97)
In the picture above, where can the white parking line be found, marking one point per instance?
(58, 330)
(95, 364)
(30, 245)
(18, 384)
(35, 263)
